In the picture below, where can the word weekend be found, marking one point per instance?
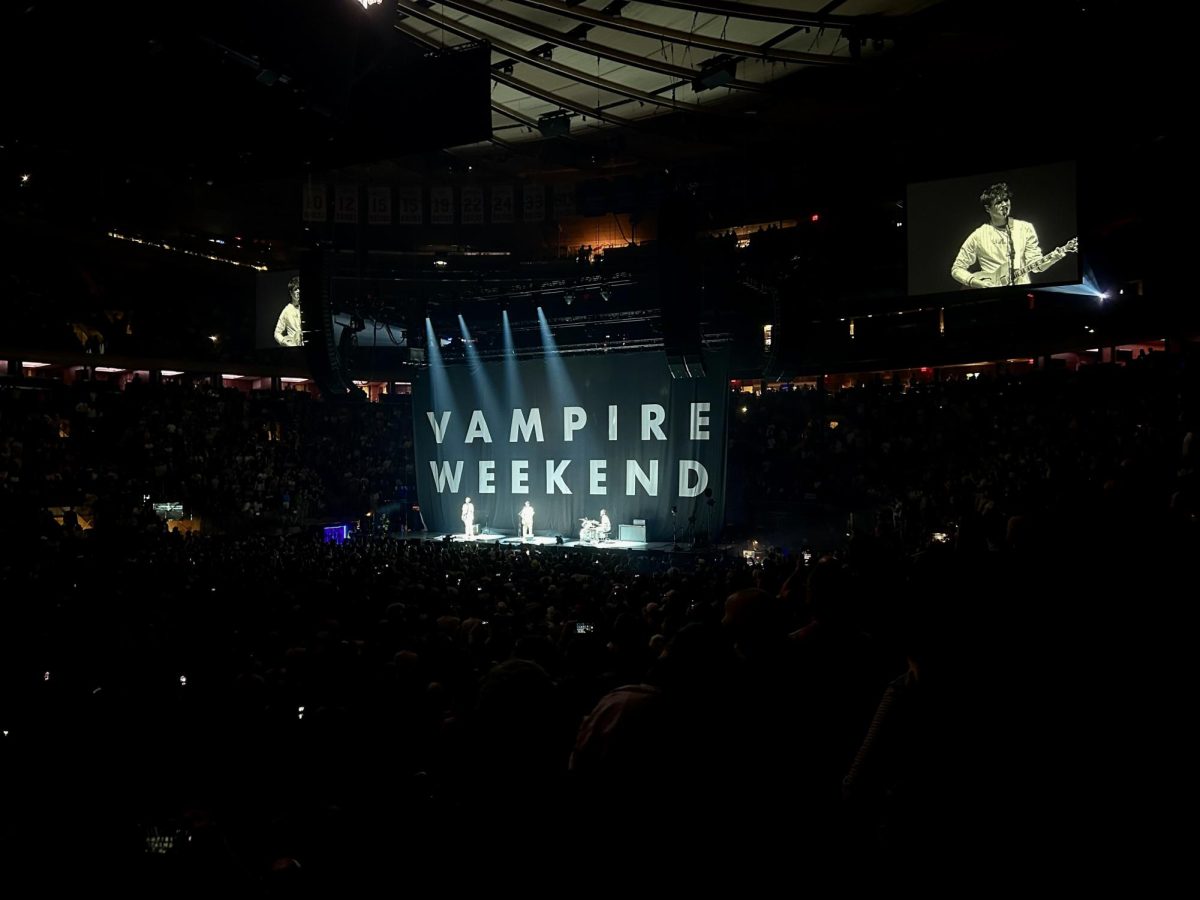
(527, 427)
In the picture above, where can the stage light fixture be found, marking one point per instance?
(715, 72)
(555, 124)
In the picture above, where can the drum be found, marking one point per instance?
(587, 534)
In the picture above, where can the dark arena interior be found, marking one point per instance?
(523, 445)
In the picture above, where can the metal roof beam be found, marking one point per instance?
(551, 97)
(515, 115)
(550, 66)
(589, 47)
(762, 13)
(687, 38)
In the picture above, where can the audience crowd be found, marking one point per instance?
(250, 708)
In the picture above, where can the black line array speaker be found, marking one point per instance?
(316, 319)
(678, 288)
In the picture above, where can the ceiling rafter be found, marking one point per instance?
(591, 48)
(687, 38)
(785, 16)
(551, 97)
(550, 66)
(515, 115)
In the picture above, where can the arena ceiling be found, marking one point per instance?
(268, 81)
(135, 105)
(606, 63)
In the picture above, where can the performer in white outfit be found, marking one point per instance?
(468, 518)
(526, 521)
(287, 327)
(1006, 249)
(604, 528)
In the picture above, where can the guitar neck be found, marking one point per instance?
(1052, 257)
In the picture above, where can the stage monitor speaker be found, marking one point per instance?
(632, 533)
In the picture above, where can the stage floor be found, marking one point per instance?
(543, 542)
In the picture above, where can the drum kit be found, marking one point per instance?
(590, 532)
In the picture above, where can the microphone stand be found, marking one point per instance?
(1012, 251)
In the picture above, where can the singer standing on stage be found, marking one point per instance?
(526, 521)
(468, 518)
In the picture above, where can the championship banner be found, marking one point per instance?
(441, 205)
(472, 204)
(346, 204)
(410, 210)
(534, 197)
(379, 205)
(573, 436)
(564, 200)
(313, 203)
(502, 203)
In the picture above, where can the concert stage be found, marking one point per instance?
(549, 543)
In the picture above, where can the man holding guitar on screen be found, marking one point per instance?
(1006, 249)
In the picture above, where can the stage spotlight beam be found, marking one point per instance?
(479, 376)
(562, 390)
(512, 377)
(439, 382)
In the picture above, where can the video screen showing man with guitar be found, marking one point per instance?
(1005, 249)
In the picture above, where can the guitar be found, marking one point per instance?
(1004, 276)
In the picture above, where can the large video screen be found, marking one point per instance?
(994, 230)
(277, 310)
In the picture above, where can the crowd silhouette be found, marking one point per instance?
(249, 707)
